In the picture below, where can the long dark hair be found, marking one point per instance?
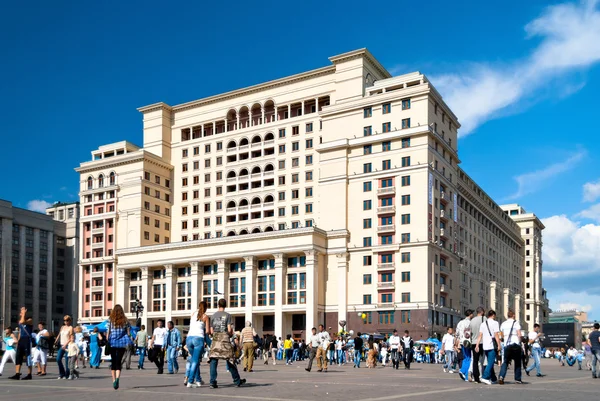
(202, 307)
(117, 316)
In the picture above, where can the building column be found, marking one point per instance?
(342, 264)
(312, 296)
(262, 113)
(250, 122)
(316, 105)
(171, 278)
(120, 297)
(214, 128)
(50, 287)
(518, 312)
(280, 273)
(289, 111)
(36, 275)
(145, 298)
(196, 279)
(222, 278)
(237, 125)
(250, 280)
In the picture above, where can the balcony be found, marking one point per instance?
(99, 230)
(386, 228)
(385, 305)
(231, 209)
(444, 197)
(256, 144)
(243, 147)
(444, 270)
(385, 266)
(443, 233)
(97, 288)
(386, 286)
(231, 179)
(98, 245)
(386, 209)
(270, 142)
(444, 288)
(97, 303)
(443, 215)
(97, 274)
(231, 149)
(386, 191)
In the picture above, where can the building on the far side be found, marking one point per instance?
(537, 309)
(34, 267)
(67, 263)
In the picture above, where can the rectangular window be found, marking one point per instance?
(388, 316)
(386, 183)
(406, 104)
(309, 144)
(309, 176)
(367, 260)
(386, 164)
(294, 210)
(405, 238)
(367, 149)
(309, 160)
(405, 200)
(405, 123)
(295, 146)
(406, 297)
(367, 112)
(281, 148)
(309, 208)
(386, 127)
(406, 277)
(295, 178)
(386, 146)
(386, 299)
(405, 316)
(367, 205)
(282, 133)
(366, 279)
(295, 130)
(406, 180)
(366, 241)
(405, 219)
(405, 142)
(367, 131)
(366, 223)
(387, 239)
(367, 299)
(308, 192)
(406, 161)
(367, 167)
(309, 127)
(386, 108)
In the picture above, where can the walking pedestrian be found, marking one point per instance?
(358, 347)
(248, 335)
(141, 343)
(510, 331)
(221, 327)
(173, 345)
(119, 339)
(62, 341)
(96, 351)
(536, 350)
(594, 342)
(24, 340)
(394, 342)
(313, 346)
(42, 347)
(407, 352)
(274, 348)
(10, 340)
(463, 333)
(489, 340)
(448, 350)
(158, 343)
(476, 365)
(73, 352)
(324, 341)
(287, 349)
(195, 342)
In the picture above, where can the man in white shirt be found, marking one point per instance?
(158, 342)
(463, 333)
(489, 339)
(511, 333)
(536, 350)
(394, 342)
(324, 341)
(448, 349)
(407, 349)
(313, 346)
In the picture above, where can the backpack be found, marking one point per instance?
(467, 337)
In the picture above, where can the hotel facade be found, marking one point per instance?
(317, 198)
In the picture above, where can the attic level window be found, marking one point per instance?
(185, 134)
(97, 156)
(120, 152)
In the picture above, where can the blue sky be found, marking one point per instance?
(522, 78)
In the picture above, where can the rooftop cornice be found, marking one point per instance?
(361, 53)
(121, 160)
(155, 107)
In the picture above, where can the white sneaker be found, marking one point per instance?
(274, 363)
(486, 381)
(193, 385)
(450, 371)
(445, 370)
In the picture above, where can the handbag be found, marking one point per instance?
(494, 342)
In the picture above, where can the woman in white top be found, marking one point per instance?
(63, 339)
(488, 333)
(195, 343)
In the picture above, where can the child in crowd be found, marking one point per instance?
(73, 353)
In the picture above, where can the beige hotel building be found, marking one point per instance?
(313, 198)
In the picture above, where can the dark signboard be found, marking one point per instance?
(559, 335)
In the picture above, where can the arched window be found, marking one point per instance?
(100, 181)
(269, 229)
(112, 178)
(230, 204)
(244, 202)
(256, 230)
(231, 233)
(256, 170)
(256, 201)
(90, 183)
(243, 232)
(269, 199)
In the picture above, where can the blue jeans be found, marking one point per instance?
(142, 354)
(195, 346)
(230, 366)
(295, 355)
(489, 373)
(595, 360)
(172, 358)
(357, 356)
(512, 353)
(464, 368)
(536, 354)
(340, 356)
(331, 356)
(288, 355)
(449, 359)
(63, 369)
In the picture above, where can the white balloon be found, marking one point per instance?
(351, 332)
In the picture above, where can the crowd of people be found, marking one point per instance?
(477, 346)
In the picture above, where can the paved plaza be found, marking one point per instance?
(291, 383)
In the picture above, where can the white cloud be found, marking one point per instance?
(591, 213)
(591, 191)
(533, 181)
(575, 306)
(570, 40)
(38, 205)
